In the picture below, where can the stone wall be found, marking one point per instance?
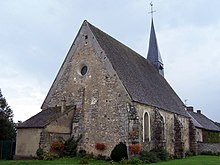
(162, 130)
(100, 97)
(213, 147)
(193, 137)
(46, 138)
(178, 138)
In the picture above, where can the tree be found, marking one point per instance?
(7, 126)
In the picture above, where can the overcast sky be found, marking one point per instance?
(35, 36)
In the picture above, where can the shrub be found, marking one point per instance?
(83, 161)
(70, 147)
(189, 154)
(101, 157)
(40, 153)
(50, 156)
(81, 153)
(149, 157)
(123, 161)
(135, 148)
(100, 146)
(119, 152)
(161, 154)
(89, 156)
(206, 153)
(135, 161)
(57, 146)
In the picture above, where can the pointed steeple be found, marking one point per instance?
(153, 54)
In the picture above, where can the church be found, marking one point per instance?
(107, 93)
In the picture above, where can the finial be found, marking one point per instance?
(152, 9)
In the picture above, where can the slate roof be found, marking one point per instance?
(142, 81)
(43, 118)
(153, 54)
(203, 122)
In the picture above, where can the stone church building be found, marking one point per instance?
(107, 93)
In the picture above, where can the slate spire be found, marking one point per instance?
(153, 54)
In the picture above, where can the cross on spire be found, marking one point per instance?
(152, 9)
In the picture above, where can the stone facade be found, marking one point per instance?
(100, 97)
(104, 110)
(60, 128)
(163, 130)
(193, 138)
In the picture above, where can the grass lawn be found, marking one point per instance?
(196, 160)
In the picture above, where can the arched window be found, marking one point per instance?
(146, 127)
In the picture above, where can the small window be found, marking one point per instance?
(84, 70)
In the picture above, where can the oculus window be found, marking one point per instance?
(84, 70)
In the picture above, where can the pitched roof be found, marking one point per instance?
(201, 121)
(140, 78)
(43, 118)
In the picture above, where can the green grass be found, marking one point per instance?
(196, 160)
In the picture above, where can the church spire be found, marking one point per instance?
(153, 54)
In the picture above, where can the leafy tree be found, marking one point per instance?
(7, 126)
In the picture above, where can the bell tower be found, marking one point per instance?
(153, 54)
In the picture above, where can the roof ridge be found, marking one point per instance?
(91, 25)
(54, 113)
(204, 121)
(139, 77)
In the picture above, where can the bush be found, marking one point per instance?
(119, 152)
(83, 161)
(70, 147)
(101, 157)
(206, 153)
(89, 156)
(135, 161)
(149, 157)
(135, 148)
(50, 156)
(123, 161)
(81, 153)
(210, 153)
(100, 146)
(189, 154)
(40, 153)
(154, 155)
(161, 154)
(57, 146)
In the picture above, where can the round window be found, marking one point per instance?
(84, 70)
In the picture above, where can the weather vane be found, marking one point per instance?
(152, 9)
